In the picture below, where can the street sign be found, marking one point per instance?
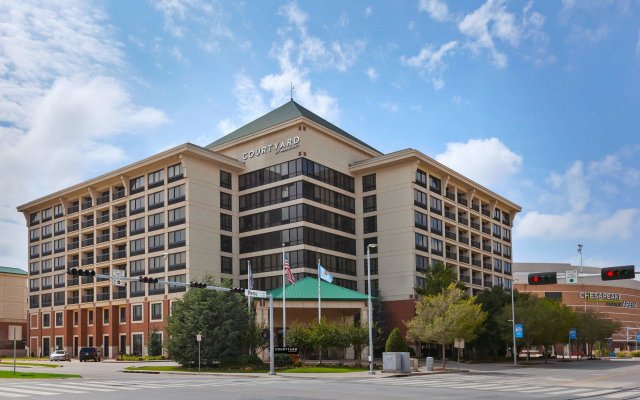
(519, 330)
(199, 338)
(116, 277)
(637, 337)
(286, 350)
(255, 293)
(458, 343)
(573, 334)
(572, 276)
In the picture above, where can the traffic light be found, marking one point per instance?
(543, 278)
(615, 273)
(146, 279)
(237, 290)
(81, 272)
(198, 285)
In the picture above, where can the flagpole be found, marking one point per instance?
(319, 307)
(284, 303)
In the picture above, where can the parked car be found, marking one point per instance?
(59, 355)
(89, 353)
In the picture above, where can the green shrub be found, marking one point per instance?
(395, 342)
(282, 361)
(635, 353)
(623, 354)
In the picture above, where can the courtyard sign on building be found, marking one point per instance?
(612, 299)
(277, 147)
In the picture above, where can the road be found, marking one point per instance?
(562, 381)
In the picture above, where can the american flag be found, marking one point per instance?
(287, 269)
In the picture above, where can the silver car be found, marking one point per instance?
(59, 355)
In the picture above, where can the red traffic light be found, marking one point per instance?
(543, 278)
(615, 273)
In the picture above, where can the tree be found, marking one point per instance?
(443, 317)
(155, 344)
(300, 336)
(395, 342)
(438, 277)
(359, 338)
(222, 319)
(594, 327)
(340, 339)
(488, 342)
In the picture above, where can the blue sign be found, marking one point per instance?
(573, 334)
(519, 331)
(637, 337)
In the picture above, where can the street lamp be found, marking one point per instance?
(513, 326)
(580, 252)
(370, 317)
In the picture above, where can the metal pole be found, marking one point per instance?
(513, 326)
(369, 311)
(319, 304)
(14, 349)
(198, 357)
(249, 285)
(284, 303)
(272, 370)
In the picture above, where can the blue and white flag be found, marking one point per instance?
(324, 274)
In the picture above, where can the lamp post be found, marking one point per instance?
(370, 316)
(513, 326)
(580, 252)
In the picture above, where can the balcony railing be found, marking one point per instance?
(119, 214)
(176, 267)
(87, 261)
(58, 285)
(87, 298)
(177, 222)
(486, 230)
(156, 227)
(176, 200)
(73, 227)
(451, 255)
(119, 295)
(46, 303)
(175, 178)
(58, 267)
(102, 199)
(464, 259)
(88, 223)
(118, 194)
(475, 225)
(463, 239)
(87, 242)
(156, 291)
(87, 204)
(119, 254)
(73, 263)
(488, 284)
(137, 294)
(102, 219)
(102, 297)
(102, 238)
(463, 201)
(450, 195)
(465, 278)
(58, 302)
(156, 270)
(450, 215)
(476, 262)
(177, 244)
(485, 212)
(119, 234)
(487, 265)
(450, 235)
(73, 300)
(476, 281)
(73, 209)
(103, 257)
(475, 207)
(475, 243)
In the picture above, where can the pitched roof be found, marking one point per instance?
(288, 111)
(307, 289)
(13, 271)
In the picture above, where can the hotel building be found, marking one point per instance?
(289, 177)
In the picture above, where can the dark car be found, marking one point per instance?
(89, 353)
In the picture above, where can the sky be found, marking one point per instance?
(537, 100)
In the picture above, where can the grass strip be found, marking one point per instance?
(34, 375)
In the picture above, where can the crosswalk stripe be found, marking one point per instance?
(623, 394)
(570, 391)
(83, 386)
(26, 391)
(58, 388)
(12, 394)
(596, 393)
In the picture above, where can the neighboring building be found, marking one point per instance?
(13, 309)
(288, 177)
(617, 300)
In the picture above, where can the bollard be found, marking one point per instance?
(429, 364)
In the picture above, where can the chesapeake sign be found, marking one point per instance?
(276, 147)
(612, 299)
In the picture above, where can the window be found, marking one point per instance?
(177, 260)
(46, 265)
(507, 234)
(156, 200)
(180, 279)
(496, 213)
(58, 280)
(58, 227)
(156, 242)
(507, 251)
(225, 201)
(105, 316)
(497, 247)
(46, 214)
(374, 266)
(58, 262)
(436, 246)
(34, 218)
(421, 178)
(176, 216)
(226, 244)
(90, 317)
(46, 320)
(156, 311)
(419, 198)
(123, 315)
(496, 230)
(174, 172)
(58, 245)
(369, 203)
(46, 231)
(175, 194)
(156, 264)
(34, 284)
(369, 183)
(420, 220)
(34, 251)
(75, 318)
(226, 223)
(156, 221)
(177, 238)
(370, 224)
(367, 242)
(136, 267)
(46, 248)
(59, 319)
(136, 185)
(136, 289)
(136, 205)
(156, 178)
(422, 263)
(137, 247)
(436, 225)
(435, 184)
(58, 210)
(136, 312)
(34, 234)
(422, 242)
(435, 205)
(225, 180)
(34, 268)
(226, 265)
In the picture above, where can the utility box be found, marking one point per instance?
(429, 364)
(391, 362)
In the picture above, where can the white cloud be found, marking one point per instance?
(372, 73)
(249, 100)
(368, 11)
(60, 110)
(390, 106)
(582, 35)
(294, 15)
(436, 9)
(571, 225)
(457, 100)
(573, 184)
(487, 161)
(431, 63)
